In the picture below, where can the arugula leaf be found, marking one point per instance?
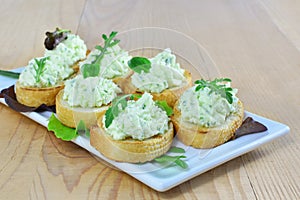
(10, 74)
(60, 130)
(90, 70)
(109, 117)
(164, 105)
(176, 150)
(217, 87)
(66, 133)
(139, 64)
(117, 105)
(93, 69)
(39, 68)
(173, 159)
(181, 163)
(54, 38)
(81, 129)
(135, 96)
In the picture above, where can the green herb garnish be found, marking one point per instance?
(10, 74)
(217, 87)
(173, 159)
(139, 64)
(66, 133)
(93, 69)
(39, 68)
(120, 103)
(164, 105)
(81, 129)
(176, 150)
(117, 105)
(60, 130)
(54, 38)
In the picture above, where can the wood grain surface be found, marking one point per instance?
(255, 43)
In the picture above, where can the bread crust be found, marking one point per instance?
(130, 150)
(34, 97)
(169, 95)
(71, 116)
(202, 137)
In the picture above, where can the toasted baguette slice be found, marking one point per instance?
(169, 95)
(34, 97)
(71, 116)
(129, 150)
(202, 137)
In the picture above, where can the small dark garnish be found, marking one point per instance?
(54, 38)
(10, 99)
(249, 126)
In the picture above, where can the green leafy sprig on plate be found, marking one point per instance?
(66, 133)
(174, 159)
(217, 86)
(93, 69)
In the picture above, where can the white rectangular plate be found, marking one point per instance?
(163, 178)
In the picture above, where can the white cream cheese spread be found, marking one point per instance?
(58, 65)
(164, 73)
(89, 92)
(206, 108)
(113, 64)
(140, 120)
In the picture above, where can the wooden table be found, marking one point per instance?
(255, 43)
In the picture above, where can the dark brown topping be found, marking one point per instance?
(249, 126)
(54, 38)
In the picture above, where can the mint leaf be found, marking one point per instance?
(139, 64)
(60, 130)
(93, 69)
(164, 106)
